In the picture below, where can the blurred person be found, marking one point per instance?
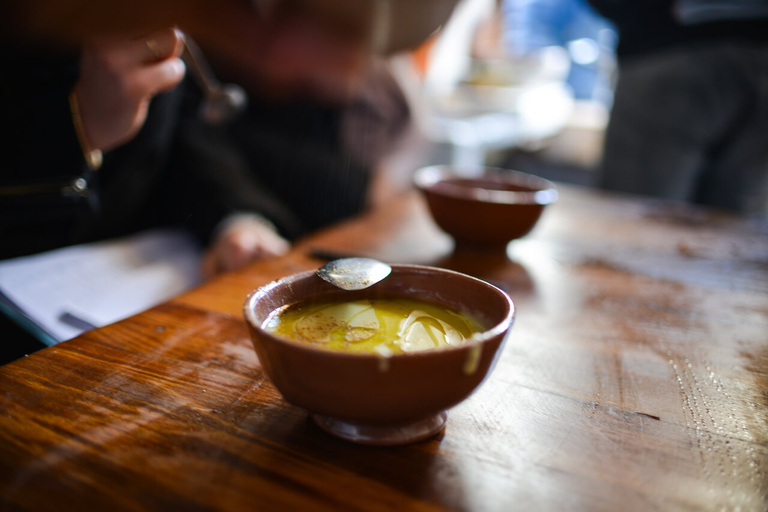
(83, 153)
(690, 113)
(107, 90)
(291, 164)
(101, 124)
(113, 166)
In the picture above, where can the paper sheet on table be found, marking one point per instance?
(60, 294)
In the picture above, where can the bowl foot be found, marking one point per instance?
(382, 435)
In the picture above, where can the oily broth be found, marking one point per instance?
(378, 326)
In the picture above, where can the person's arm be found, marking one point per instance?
(63, 109)
(59, 108)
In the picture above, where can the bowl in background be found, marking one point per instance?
(369, 398)
(484, 208)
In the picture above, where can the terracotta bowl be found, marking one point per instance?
(373, 399)
(485, 208)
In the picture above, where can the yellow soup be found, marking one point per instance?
(382, 326)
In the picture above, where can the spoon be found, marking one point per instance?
(222, 101)
(354, 273)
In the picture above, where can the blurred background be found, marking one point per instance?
(522, 84)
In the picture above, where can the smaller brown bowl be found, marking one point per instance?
(369, 398)
(487, 208)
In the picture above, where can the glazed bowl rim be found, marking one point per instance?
(543, 193)
(496, 330)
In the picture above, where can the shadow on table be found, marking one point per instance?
(390, 475)
(495, 267)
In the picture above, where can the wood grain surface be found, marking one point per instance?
(635, 378)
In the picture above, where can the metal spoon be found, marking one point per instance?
(222, 101)
(354, 273)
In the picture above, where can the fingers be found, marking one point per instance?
(163, 67)
(158, 55)
(118, 77)
(241, 243)
(245, 244)
(160, 77)
(158, 46)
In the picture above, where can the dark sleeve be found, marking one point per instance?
(298, 163)
(285, 160)
(210, 178)
(298, 156)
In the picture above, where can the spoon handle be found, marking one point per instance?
(202, 71)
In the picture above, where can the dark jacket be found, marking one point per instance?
(290, 162)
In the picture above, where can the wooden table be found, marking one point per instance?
(635, 378)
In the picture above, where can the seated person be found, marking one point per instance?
(108, 142)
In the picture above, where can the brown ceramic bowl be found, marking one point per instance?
(485, 209)
(370, 398)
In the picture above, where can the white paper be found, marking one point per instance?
(61, 292)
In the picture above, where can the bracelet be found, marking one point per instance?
(93, 157)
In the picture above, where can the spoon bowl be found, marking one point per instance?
(223, 102)
(354, 273)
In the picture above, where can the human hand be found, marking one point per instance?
(243, 239)
(119, 77)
